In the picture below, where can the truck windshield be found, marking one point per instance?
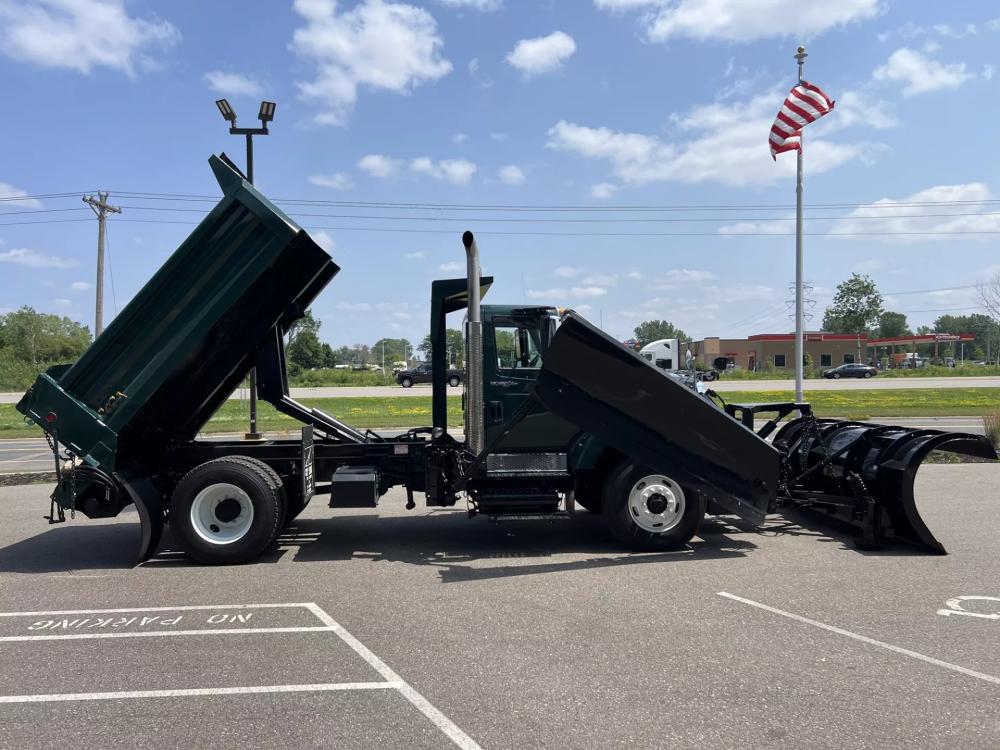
(518, 345)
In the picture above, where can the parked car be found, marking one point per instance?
(851, 371)
(421, 373)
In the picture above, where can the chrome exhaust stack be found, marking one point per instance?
(474, 427)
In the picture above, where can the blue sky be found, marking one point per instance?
(590, 104)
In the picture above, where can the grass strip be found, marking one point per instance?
(391, 412)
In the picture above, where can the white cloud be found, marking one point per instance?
(416, 255)
(483, 5)
(335, 181)
(460, 138)
(894, 215)
(233, 84)
(566, 272)
(604, 190)
(473, 66)
(600, 279)
(79, 286)
(323, 239)
(766, 226)
(740, 20)
(452, 266)
(511, 175)
(82, 34)
(455, 171)
(723, 144)
(920, 74)
(34, 259)
(556, 294)
(378, 165)
(12, 196)
(543, 54)
(499, 136)
(62, 302)
(857, 108)
(988, 71)
(588, 292)
(679, 278)
(955, 32)
(383, 45)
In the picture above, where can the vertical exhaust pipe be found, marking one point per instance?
(474, 428)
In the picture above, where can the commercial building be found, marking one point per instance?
(778, 350)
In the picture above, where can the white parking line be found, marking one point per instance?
(865, 639)
(391, 679)
(190, 692)
(181, 608)
(161, 633)
(442, 722)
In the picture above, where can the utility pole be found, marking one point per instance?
(101, 209)
(800, 58)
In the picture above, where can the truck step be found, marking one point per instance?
(503, 517)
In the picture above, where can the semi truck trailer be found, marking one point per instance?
(557, 415)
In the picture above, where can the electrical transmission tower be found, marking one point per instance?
(101, 209)
(808, 303)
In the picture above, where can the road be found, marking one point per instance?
(455, 632)
(33, 454)
(722, 386)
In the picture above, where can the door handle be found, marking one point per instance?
(496, 412)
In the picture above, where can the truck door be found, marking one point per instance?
(514, 347)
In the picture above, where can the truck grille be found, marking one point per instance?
(528, 464)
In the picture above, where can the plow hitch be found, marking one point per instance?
(864, 474)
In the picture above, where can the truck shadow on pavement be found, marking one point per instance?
(461, 549)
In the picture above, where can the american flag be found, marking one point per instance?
(805, 103)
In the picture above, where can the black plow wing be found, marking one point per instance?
(864, 473)
(591, 380)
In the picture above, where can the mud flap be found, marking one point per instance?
(591, 380)
(149, 506)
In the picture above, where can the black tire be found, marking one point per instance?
(406, 382)
(252, 478)
(274, 481)
(836, 376)
(454, 381)
(868, 374)
(619, 516)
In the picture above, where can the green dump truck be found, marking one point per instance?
(557, 414)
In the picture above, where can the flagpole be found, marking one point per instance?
(800, 57)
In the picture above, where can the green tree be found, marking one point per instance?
(305, 352)
(856, 308)
(329, 359)
(455, 345)
(306, 324)
(892, 325)
(654, 330)
(41, 339)
(395, 350)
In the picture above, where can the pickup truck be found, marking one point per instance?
(423, 373)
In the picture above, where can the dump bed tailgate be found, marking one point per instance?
(591, 380)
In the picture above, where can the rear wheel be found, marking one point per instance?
(868, 374)
(454, 381)
(226, 511)
(646, 510)
(406, 382)
(836, 376)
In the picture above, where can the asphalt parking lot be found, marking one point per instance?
(425, 629)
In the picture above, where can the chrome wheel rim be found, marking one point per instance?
(656, 503)
(222, 513)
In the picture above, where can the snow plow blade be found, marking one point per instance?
(592, 381)
(864, 474)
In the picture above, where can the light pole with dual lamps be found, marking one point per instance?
(265, 115)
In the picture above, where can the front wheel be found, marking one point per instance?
(406, 382)
(454, 381)
(836, 376)
(868, 374)
(646, 510)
